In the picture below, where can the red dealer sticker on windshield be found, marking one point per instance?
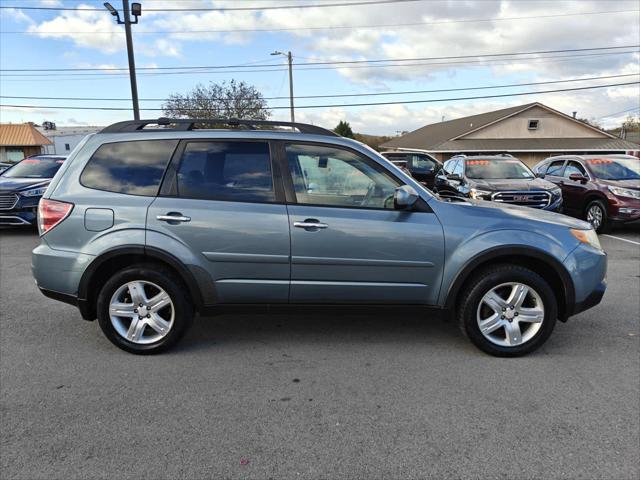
(478, 162)
(598, 161)
(30, 160)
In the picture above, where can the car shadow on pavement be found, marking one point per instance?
(226, 330)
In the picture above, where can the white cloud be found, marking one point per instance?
(74, 25)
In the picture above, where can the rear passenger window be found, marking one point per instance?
(237, 171)
(134, 167)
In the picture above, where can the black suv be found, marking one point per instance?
(421, 166)
(500, 178)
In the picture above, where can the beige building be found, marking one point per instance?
(530, 132)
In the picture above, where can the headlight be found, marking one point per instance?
(556, 192)
(34, 192)
(479, 194)
(624, 192)
(590, 237)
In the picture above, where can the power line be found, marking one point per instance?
(471, 63)
(467, 64)
(324, 62)
(336, 27)
(227, 9)
(621, 112)
(342, 95)
(541, 92)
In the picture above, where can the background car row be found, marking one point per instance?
(602, 189)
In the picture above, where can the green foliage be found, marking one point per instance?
(344, 129)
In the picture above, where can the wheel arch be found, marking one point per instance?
(116, 258)
(536, 260)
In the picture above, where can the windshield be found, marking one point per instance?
(497, 168)
(34, 168)
(615, 168)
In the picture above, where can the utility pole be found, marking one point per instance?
(290, 61)
(136, 11)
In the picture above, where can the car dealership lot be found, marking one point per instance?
(290, 396)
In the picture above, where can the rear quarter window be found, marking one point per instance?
(134, 167)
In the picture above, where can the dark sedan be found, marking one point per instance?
(602, 189)
(421, 166)
(22, 186)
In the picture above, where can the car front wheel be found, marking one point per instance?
(596, 215)
(143, 309)
(507, 310)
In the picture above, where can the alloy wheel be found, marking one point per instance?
(594, 216)
(510, 314)
(141, 312)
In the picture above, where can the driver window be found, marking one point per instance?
(330, 176)
(574, 167)
(422, 164)
(457, 170)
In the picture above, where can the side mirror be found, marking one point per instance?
(404, 197)
(578, 177)
(539, 174)
(455, 177)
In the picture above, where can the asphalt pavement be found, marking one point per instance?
(298, 396)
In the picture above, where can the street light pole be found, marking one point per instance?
(132, 62)
(136, 10)
(290, 62)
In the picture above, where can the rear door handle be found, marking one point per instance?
(310, 223)
(176, 217)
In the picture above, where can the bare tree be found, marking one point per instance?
(225, 100)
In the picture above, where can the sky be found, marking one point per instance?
(417, 30)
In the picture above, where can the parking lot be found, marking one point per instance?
(258, 396)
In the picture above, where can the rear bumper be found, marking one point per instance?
(82, 305)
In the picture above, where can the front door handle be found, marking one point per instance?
(173, 217)
(310, 224)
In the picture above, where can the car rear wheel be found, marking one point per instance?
(596, 215)
(507, 310)
(143, 309)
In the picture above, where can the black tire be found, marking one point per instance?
(487, 279)
(161, 277)
(605, 225)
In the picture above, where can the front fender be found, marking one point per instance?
(482, 249)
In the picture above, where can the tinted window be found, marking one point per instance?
(34, 168)
(555, 168)
(423, 164)
(335, 177)
(238, 171)
(448, 166)
(574, 167)
(133, 167)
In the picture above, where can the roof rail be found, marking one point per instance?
(187, 124)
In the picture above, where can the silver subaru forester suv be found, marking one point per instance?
(150, 222)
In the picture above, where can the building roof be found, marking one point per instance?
(535, 144)
(21, 135)
(445, 136)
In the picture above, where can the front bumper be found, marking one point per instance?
(622, 209)
(587, 267)
(24, 212)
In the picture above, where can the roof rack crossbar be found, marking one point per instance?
(187, 124)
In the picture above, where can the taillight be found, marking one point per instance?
(51, 213)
